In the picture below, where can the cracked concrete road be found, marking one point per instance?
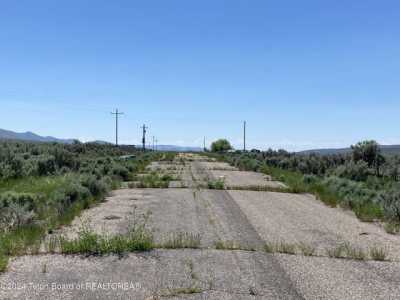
(247, 218)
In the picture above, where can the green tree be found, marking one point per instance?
(221, 145)
(369, 152)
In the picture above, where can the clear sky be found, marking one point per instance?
(304, 74)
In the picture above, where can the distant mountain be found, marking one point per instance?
(177, 148)
(386, 149)
(30, 136)
(327, 151)
(100, 142)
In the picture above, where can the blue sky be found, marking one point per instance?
(304, 74)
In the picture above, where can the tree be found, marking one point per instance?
(369, 152)
(221, 145)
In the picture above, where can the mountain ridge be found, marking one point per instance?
(31, 137)
(386, 149)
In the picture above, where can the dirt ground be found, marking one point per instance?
(246, 218)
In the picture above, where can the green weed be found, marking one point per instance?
(181, 240)
(378, 253)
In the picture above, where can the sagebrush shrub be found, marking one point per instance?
(16, 209)
(391, 204)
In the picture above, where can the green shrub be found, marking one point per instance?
(46, 166)
(310, 179)
(97, 187)
(120, 171)
(391, 204)
(16, 209)
(90, 243)
(358, 171)
(75, 191)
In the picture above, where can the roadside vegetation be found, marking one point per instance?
(221, 145)
(344, 251)
(90, 243)
(182, 240)
(363, 180)
(152, 180)
(45, 185)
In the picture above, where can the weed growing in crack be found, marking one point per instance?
(336, 252)
(377, 253)
(354, 252)
(227, 245)
(180, 240)
(306, 250)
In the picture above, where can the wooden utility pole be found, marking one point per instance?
(244, 136)
(116, 113)
(144, 127)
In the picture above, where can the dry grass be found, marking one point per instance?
(227, 245)
(306, 250)
(181, 240)
(392, 228)
(378, 253)
(280, 247)
(259, 188)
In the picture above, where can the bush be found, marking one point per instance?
(46, 166)
(96, 187)
(358, 171)
(351, 193)
(391, 204)
(75, 191)
(16, 210)
(310, 179)
(120, 171)
(16, 166)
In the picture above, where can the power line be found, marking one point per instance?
(117, 114)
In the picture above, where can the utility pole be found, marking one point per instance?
(153, 143)
(156, 143)
(116, 113)
(244, 136)
(204, 144)
(144, 127)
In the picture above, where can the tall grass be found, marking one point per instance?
(332, 191)
(60, 196)
(90, 243)
(182, 240)
(3, 262)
